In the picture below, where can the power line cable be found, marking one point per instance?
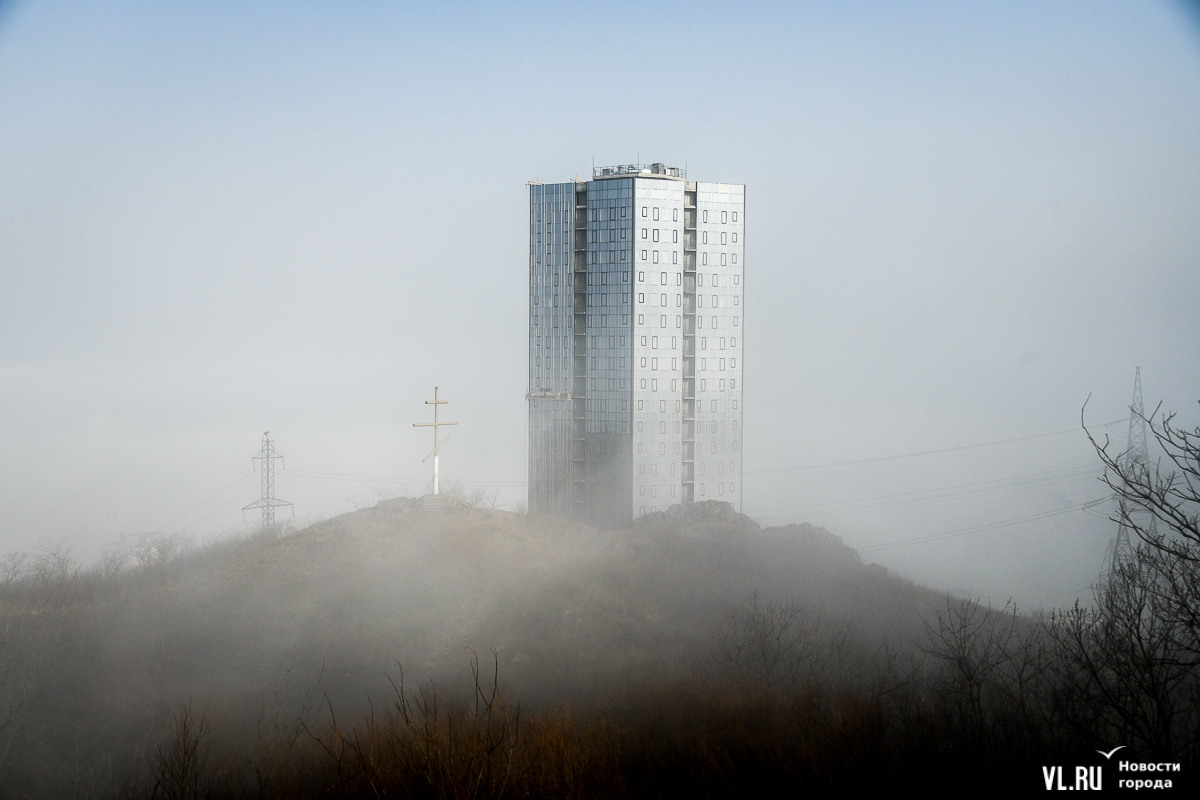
(214, 497)
(987, 527)
(1052, 477)
(218, 508)
(300, 473)
(919, 453)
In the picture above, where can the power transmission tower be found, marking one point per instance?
(268, 502)
(1135, 460)
(435, 402)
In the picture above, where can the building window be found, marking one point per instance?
(656, 213)
(723, 237)
(654, 384)
(641, 277)
(654, 363)
(675, 215)
(674, 256)
(703, 365)
(644, 211)
(643, 338)
(735, 238)
(655, 236)
(724, 217)
(735, 300)
(674, 236)
(702, 487)
(655, 256)
(720, 488)
(736, 280)
(662, 427)
(722, 259)
(643, 362)
(662, 448)
(641, 318)
(704, 261)
(639, 425)
(704, 217)
(735, 216)
(704, 237)
(653, 342)
(645, 254)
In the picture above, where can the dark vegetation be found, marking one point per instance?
(483, 654)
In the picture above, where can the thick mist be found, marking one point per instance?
(966, 227)
(221, 221)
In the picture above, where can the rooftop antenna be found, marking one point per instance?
(435, 402)
(267, 502)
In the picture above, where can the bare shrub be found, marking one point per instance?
(181, 767)
(162, 548)
(426, 747)
(1128, 664)
(996, 667)
(112, 561)
(14, 567)
(779, 643)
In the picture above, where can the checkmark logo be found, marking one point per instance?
(1109, 754)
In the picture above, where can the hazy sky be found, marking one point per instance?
(962, 219)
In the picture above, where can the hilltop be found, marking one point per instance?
(251, 630)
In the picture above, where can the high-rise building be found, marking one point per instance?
(635, 343)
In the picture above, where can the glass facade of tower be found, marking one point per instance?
(635, 341)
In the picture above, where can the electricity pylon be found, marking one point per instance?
(268, 502)
(1134, 461)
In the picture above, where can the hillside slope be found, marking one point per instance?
(251, 631)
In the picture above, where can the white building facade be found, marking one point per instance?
(635, 343)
